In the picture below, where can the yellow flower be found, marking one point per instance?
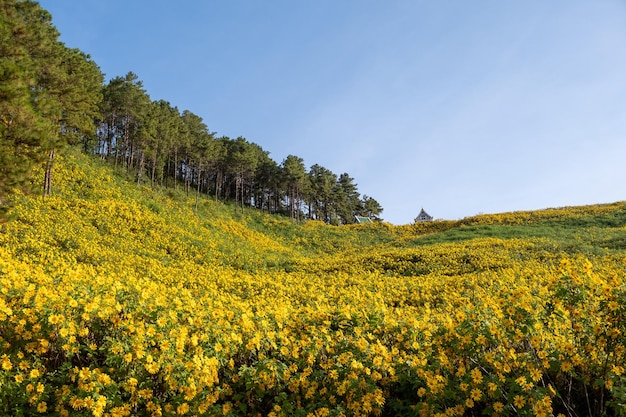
(42, 407)
(492, 387)
(519, 401)
(476, 394)
(152, 368)
(182, 409)
(477, 376)
(6, 363)
(536, 374)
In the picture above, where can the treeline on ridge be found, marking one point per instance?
(53, 96)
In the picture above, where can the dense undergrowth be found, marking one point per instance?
(119, 300)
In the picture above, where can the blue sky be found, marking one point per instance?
(458, 107)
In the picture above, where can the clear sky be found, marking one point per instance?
(460, 107)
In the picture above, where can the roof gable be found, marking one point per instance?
(423, 216)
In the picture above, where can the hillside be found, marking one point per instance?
(118, 299)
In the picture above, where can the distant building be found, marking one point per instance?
(423, 217)
(362, 219)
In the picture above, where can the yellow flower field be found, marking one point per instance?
(117, 301)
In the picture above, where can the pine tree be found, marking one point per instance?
(76, 93)
(124, 111)
(322, 181)
(347, 199)
(26, 37)
(48, 93)
(294, 174)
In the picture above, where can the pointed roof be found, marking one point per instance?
(423, 216)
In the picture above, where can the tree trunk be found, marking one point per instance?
(154, 162)
(242, 193)
(187, 179)
(168, 172)
(236, 191)
(176, 169)
(218, 184)
(129, 155)
(47, 180)
(140, 170)
(198, 189)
